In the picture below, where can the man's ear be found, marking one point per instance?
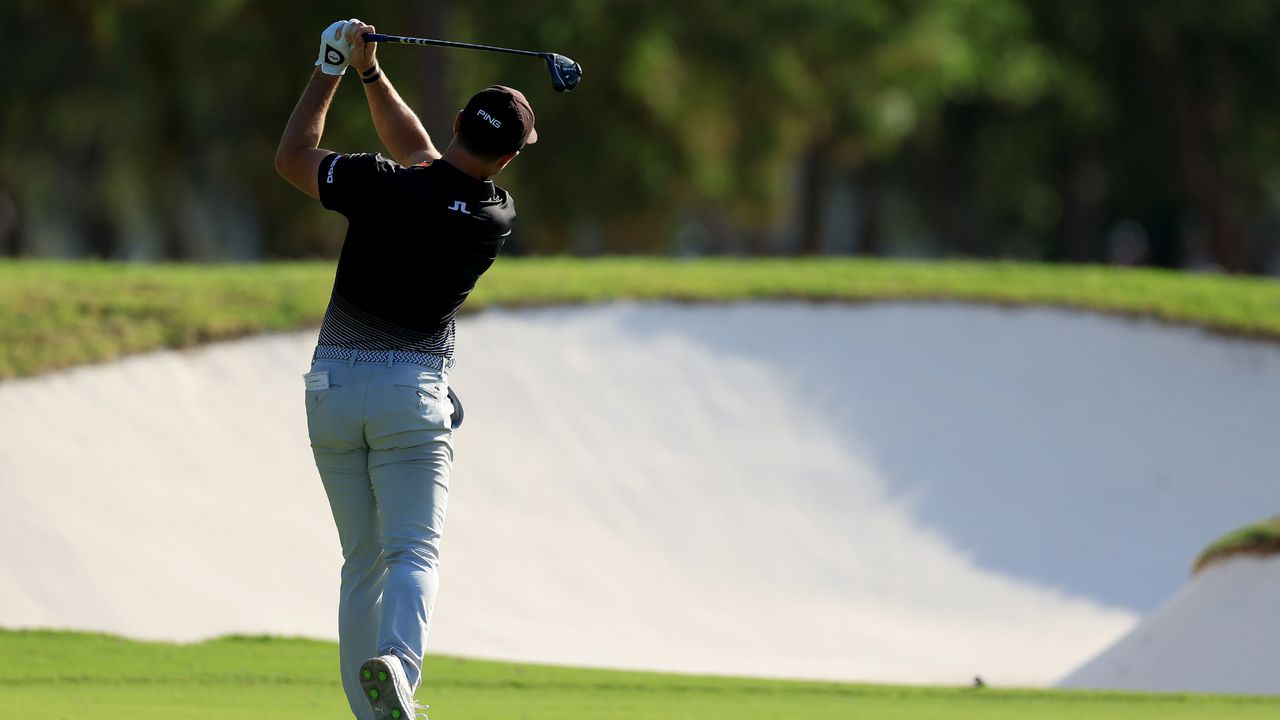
(502, 161)
(457, 122)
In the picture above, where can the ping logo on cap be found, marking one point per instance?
(496, 121)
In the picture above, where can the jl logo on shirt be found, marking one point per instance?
(460, 206)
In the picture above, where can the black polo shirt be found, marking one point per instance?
(418, 239)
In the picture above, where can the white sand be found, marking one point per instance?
(1218, 634)
(910, 493)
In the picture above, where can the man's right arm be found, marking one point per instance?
(398, 126)
(299, 155)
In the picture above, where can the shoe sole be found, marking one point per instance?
(379, 687)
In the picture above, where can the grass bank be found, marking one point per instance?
(1261, 539)
(55, 315)
(57, 675)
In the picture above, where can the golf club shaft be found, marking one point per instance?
(380, 38)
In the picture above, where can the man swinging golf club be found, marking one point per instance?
(423, 227)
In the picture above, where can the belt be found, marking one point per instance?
(388, 357)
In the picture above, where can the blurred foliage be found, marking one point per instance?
(1143, 133)
(56, 314)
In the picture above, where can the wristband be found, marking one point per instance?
(371, 79)
(371, 71)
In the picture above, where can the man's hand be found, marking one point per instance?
(335, 49)
(363, 54)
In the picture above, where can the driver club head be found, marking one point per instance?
(565, 73)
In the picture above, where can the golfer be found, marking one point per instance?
(423, 227)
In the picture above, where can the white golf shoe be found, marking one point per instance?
(387, 689)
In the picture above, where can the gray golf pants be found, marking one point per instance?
(382, 442)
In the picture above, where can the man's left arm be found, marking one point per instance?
(398, 126)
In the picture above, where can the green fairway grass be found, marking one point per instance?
(63, 675)
(55, 315)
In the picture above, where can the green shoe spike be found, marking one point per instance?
(373, 694)
(382, 676)
(367, 674)
(395, 715)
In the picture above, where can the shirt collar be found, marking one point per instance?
(486, 186)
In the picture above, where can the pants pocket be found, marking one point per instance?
(431, 403)
(314, 398)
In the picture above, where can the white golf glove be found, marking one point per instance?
(335, 51)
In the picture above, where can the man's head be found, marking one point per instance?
(494, 126)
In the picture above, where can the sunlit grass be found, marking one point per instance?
(55, 315)
(60, 675)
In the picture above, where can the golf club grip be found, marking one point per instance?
(380, 38)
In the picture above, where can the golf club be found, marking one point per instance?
(565, 73)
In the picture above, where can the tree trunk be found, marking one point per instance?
(815, 189)
(178, 242)
(758, 243)
(955, 222)
(722, 237)
(868, 189)
(1083, 190)
(12, 242)
(436, 107)
(1192, 112)
(101, 236)
(1205, 184)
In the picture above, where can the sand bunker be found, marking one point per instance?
(1217, 634)
(912, 493)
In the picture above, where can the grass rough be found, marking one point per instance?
(1261, 539)
(56, 315)
(58, 674)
